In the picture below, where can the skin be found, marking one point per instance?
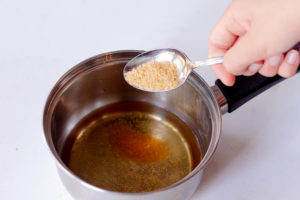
(256, 36)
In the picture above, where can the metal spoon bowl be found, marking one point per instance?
(174, 56)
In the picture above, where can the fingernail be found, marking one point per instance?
(254, 67)
(291, 57)
(275, 60)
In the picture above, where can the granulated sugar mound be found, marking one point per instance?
(155, 76)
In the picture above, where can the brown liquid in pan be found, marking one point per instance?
(131, 147)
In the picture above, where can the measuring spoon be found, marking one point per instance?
(176, 57)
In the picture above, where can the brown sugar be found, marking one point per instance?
(155, 76)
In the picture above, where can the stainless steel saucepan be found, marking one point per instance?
(98, 81)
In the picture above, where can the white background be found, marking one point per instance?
(259, 153)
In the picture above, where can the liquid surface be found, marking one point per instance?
(131, 147)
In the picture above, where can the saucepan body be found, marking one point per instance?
(97, 82)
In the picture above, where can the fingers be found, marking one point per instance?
(271, 65)
(243, 53)
(253, 68)
(226, 77)
(244, 35)
(224, 34)
(290, 64)
(285, 66)
(222, 37)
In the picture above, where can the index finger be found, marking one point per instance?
(222, 38)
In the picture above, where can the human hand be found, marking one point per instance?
(252, 36)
